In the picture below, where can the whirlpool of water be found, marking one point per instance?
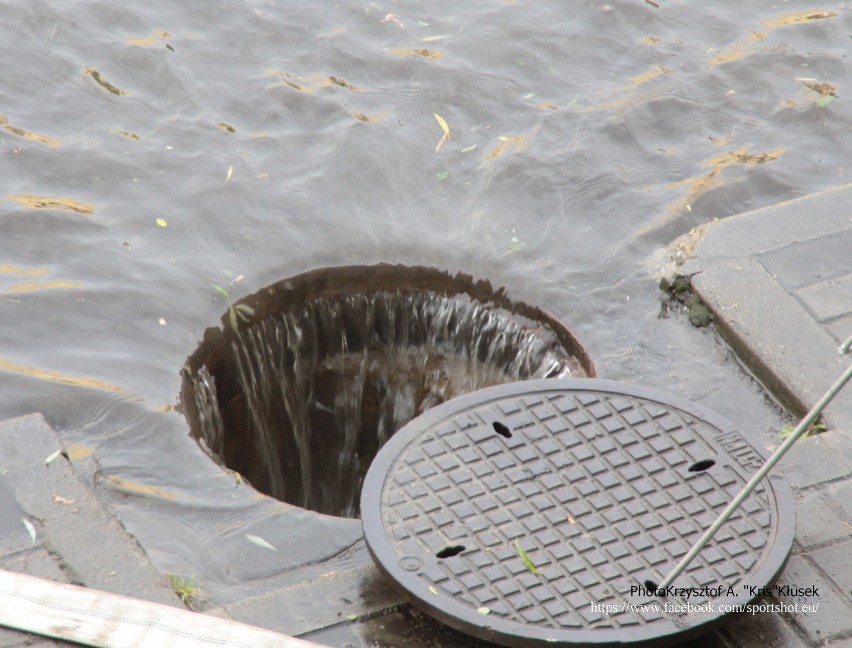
(300, 400)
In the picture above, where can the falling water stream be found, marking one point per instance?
(309, 394)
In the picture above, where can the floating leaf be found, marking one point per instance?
(525, 558)
(260, 542)
(484, 610)
(52, 456)
(822, 101)
(443, 124)
(431, 39)
(63, 500)
(230, 173)
(425, 53)
(442, 175)
(221, 291)
(162, 222)
(30, 529)
(468, 149)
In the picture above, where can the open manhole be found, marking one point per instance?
(546, 512)
(309, 377)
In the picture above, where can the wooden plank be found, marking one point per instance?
(105, 620)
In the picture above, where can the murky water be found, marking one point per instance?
(150, 151)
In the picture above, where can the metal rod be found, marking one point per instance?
(810, 417)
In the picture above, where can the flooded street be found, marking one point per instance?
(159, 162)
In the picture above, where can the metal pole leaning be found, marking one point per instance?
(810, 417)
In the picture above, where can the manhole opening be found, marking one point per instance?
(300, 391)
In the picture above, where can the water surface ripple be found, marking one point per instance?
(150, 150)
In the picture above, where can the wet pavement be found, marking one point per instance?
(778, 282)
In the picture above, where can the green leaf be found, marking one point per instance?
(352, 617)
(260, 542)
(245, 308)
(468, 149)
(52, 456)
(442, 175)
(221, 291)
(823, 100)
(232, 315)
(162, 222)
(525, 558)
(433, 590)
(30, 529)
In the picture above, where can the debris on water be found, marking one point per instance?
(106, 85)
(680, 292)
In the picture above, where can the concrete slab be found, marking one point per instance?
(69, 518)
(831, 619)
(777, 280)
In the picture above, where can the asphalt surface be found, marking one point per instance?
(778, 282)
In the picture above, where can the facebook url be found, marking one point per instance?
(704, 608)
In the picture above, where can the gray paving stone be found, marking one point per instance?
(95, 549)
(839, 496)
(836, 561)
(816, 522)
(318, 603)
(830, 299)
(764, 630)
(840, 329)
(776, 226)
(814, 461)
(810, 262)
(35, 563)
(773, 333)
(13, 533)
(833, 617)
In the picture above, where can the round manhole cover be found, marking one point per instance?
(544, 512)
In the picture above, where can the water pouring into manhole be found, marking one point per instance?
(309, 377)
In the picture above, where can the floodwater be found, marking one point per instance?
(160, 159)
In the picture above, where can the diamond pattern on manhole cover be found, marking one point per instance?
(540, 513)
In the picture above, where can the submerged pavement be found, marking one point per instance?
(779, 284)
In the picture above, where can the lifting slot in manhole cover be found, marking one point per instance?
(546, 511)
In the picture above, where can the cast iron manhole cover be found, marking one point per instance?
(541, 512)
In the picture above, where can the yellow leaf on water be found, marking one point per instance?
(148, 40)
(162, 222)
(230, 173)
(137, 487)
(443, 124)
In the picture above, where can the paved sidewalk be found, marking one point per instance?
(779, 283)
